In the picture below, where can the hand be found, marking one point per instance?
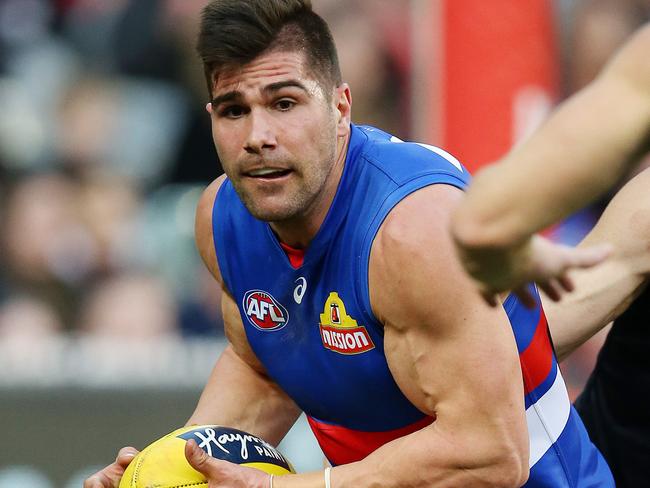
(110, 476)
(224, 474)
(537, 260)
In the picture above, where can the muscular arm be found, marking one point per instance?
(604, 292)
(452, 356)
(238, 393)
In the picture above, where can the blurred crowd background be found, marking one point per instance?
(105, 147)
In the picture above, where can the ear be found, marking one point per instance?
(343, 104)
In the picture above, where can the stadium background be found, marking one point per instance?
(109, 325)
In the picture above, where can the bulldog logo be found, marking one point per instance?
(340, 332)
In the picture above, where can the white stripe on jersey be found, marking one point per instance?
(547, 418)
(440, 152)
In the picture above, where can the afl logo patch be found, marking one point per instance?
(264, 311)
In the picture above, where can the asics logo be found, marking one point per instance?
(299, 291)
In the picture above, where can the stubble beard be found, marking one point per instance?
(302, 201)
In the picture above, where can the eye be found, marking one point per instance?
(284, 105)
(232, 111)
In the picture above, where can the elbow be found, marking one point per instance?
(511, 472)
(508, 469)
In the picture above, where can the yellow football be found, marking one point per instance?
(162, 464)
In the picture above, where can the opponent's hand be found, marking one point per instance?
(223, 474)
(537, 260)
(110, 476)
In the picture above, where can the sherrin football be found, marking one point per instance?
(162, 464)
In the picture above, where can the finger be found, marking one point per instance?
(526, 297)
(102, 480)
(490, 298)
(566, 283)
(551, 289)
(125, 456)
(93, 482)
(590, 256)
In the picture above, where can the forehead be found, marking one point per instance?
(264, 70)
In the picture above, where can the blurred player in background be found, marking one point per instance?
(334, 301)
(583, 150)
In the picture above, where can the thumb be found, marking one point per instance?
(206, 465)
(590, 256)
(125, 456)
(197, 457)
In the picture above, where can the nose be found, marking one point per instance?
(261, 134)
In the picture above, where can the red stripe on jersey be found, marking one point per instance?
(342, 445)
(537, 359)
(296, 256)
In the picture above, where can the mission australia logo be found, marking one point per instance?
(235, 446)
(264, 311)
(339, 332)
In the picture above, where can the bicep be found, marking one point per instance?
(236, 334)
(453, 356)
(203, 227)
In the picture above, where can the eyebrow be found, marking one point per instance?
(268, 89)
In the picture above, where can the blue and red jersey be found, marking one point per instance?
(310, 323)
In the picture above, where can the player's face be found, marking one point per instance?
(278, 136)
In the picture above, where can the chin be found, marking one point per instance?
(272, 215)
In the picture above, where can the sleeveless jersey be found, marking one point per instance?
(615, 403)
(313, 329)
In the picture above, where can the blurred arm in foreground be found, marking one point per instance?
(583, 150)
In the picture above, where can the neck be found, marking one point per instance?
(300, 230)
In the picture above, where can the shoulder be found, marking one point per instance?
(402, 160)
(203, 226)
(424, 214)
(412, 252)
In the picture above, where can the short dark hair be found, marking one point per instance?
(235, 32)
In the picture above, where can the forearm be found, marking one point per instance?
(584, 148)
(540, 183)
(428, 458)
(599, 298)
(604, 292)
(238, 396)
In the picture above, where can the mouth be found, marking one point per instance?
(267, 173)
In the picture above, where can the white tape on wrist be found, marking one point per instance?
(326, 474)
(270, 481)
